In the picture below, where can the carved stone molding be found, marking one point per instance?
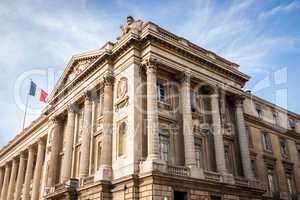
(122, 87)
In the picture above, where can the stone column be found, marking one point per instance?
(5, 182)
(38, 170)
(1, 178)
(67, 161)
(152, 112)
(28, 175)
(189, 144)
(188, 135)
(106, 154)
(86, 136)
(243, 139)
(20, 178)
(11, 186)
(218, 137)
(54, 155)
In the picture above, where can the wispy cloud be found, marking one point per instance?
(282, 8)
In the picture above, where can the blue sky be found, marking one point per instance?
(39, 37)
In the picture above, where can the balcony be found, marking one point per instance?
(178, 170)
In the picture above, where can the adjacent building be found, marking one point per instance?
(153, 116)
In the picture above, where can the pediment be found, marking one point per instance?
(74, 68)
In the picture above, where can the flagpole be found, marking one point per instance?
(26, 106)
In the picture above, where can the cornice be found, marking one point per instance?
(27, 131)
(271, 105)
(272, 127)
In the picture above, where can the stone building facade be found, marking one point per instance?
(153, 116)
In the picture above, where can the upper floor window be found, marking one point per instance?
(283, 147)
(164, 144)
(253, 166)
(271, 181)
(292, 124)
(248, 132)
(161, 91)
(199, 152)
(290, 184)
(275, 116)
(298, 150)
(266, 143)
(122, 139)
(193, 101)
(259, 110)
(229, 157)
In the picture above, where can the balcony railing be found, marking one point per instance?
(213, 176)
(178, 170)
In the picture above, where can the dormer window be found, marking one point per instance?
(292, 124)
(259, 111)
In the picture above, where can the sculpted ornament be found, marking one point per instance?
(122, 97)
(122, 88)
(79, 67)
(131, 25)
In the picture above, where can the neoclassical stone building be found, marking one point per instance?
(153, 116)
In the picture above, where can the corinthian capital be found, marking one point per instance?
(108, 79)
(150, 64)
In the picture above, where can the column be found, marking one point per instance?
(189, 144)
(28, 175)
(152, 112)
(86, 136)
(218, 137)
(5, 182)
(243, 139)
(67, 160)
(1, 178)
(12, 180)
(38, 170)
(106, 154)
(53, 161)
(20, 178)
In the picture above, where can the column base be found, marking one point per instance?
(228, 178)
(197, 172)
(104, 173)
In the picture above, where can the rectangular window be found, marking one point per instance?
(199, 152)
(266, 144)
(99, 148)
(275, 116)
(298, 150)
(259, 111)
(164, 144)
(193, 101)
(161, 91)
(292, 124)
(228, 157)
(248, 132)
(283, 147)
(253, 166)
(271, 181)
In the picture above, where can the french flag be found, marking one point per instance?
(40, 94)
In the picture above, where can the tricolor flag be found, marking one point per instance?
(40, 94)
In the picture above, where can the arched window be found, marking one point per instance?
(122, 139)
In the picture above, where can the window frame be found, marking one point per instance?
(259, 111)
(164, 139)
(266, 144)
